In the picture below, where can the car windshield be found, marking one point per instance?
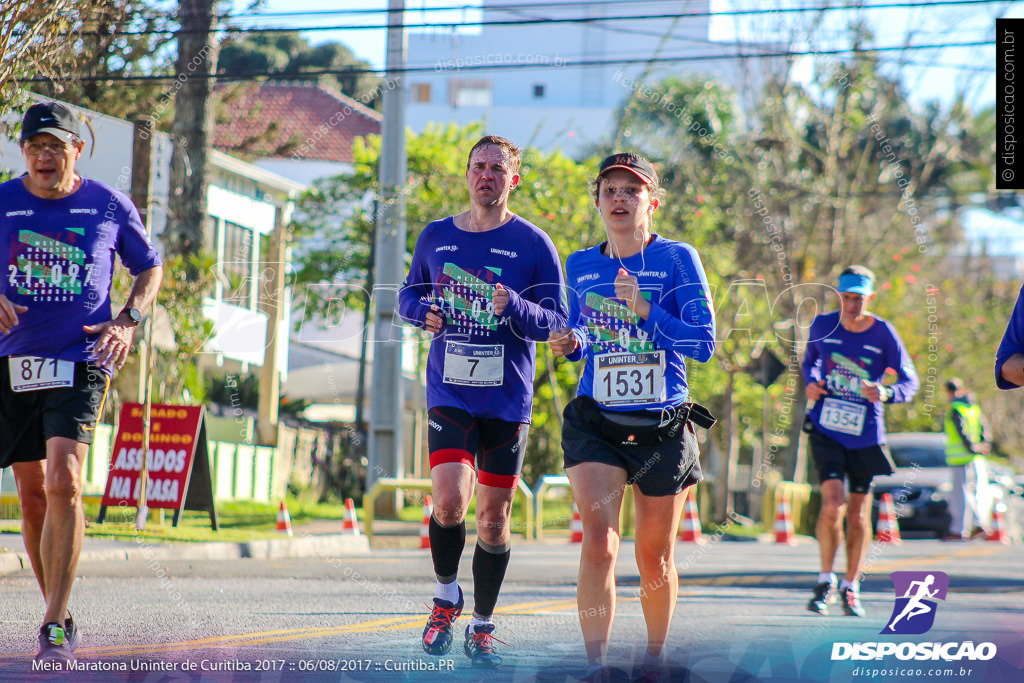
(925, 455)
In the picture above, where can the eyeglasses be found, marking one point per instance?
(34, 149)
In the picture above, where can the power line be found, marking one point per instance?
(277, 75)
(559, 20)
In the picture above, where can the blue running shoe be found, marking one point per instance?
(437, 636)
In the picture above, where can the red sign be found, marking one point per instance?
(173, 437)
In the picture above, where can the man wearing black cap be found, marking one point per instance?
(59, 343)
(849, 351)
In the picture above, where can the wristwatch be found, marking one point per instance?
(134, 314)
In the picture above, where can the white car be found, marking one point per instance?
(922, 484)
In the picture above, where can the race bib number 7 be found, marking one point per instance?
(474, 365)
(32, 373)
(843, 416)
(622, 379)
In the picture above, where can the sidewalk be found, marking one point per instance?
(314, 539)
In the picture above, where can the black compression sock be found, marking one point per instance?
(446, 546)
(489, 565)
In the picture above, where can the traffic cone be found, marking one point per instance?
(784, 524)
(998, 533)
(284, 521)
(428, 509)
(887, 530)
(690, 533)
(350, 525)
(576, 526)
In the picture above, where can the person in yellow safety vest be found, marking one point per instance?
(965, 440)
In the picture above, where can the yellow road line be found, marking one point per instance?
(284, 635)
(894, 565)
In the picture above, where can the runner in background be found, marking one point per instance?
(848, 354)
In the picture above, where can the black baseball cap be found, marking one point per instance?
(53, 118)
(635, 163)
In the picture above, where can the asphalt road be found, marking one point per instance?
(740, 617)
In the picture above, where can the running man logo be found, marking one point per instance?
(916, 593)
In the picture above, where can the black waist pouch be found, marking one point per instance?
(640, 427)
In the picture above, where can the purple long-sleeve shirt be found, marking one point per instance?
(480, 362)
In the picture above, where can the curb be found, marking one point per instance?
(326, 546)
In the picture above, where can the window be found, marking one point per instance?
(237, 264)
(421, 92)
(538, 91)
(470, 93)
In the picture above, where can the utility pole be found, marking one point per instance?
(387, 404)
(142, 161)
(272, 303)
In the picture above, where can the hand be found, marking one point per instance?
(627, 289)
(816, 390)
(562, 341)
(114, 344)
(434, 320)
(499, 297)
(872, 391)
(9, 314)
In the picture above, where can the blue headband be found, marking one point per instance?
(857, 284)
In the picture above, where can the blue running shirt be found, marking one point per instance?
(634, 364)
(1012, 343)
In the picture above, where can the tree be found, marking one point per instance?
(34, 40)
(117, 41)
(837, 171)
(292, 56)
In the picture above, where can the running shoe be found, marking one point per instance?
(71, 633)
(53, 646)
(437, 636)
(480, 646)
(824, 595)
(654, 673)
(851, 603)
(595, 673)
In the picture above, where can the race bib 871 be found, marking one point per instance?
(32, 373)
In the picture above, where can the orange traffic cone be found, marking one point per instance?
(784, 524)
(887, 529)
(998, 533)
(576, 526)
(284, 521)
(690, 533)
(428, 509)
(350, 525)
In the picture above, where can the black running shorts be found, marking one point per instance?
(859, 465)
(495, 447)
(662, 467)
(29, 418)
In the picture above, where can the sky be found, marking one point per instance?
(932, 74)
(936, 74)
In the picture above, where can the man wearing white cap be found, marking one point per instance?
(849, 351)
